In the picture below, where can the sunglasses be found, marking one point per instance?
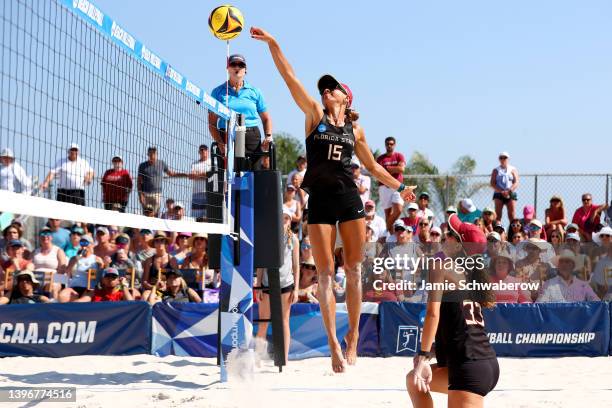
(604, 236)
(306, 246)
(423, 224)
(309, 267)
(390, 144)
(337, 87)
(238, 64)
(158, 240)
(503, 157)
(586, 200)
(84, 243)
(434, 234)
(400, 229)
(45, 234)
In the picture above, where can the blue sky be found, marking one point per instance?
(446, 78)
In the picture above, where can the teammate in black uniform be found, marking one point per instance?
(466, 368)
(332, 135)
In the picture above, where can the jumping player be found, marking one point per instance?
(467, 367)
(332, 135)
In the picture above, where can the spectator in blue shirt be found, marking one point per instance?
(245, 99)
(60, 236)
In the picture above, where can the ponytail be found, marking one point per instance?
(351, 115)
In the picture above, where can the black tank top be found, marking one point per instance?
(461, 333)
(329, 150)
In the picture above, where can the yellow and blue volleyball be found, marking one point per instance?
(226, 22)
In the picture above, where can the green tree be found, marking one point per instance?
(288, 148)
(445, 189)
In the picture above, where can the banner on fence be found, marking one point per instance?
(185, 329)
(60, 330)
(515, 330)
(308, 338)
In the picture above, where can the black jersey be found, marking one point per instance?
(329, 150)
(461, 334)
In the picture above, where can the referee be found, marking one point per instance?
(242, 97)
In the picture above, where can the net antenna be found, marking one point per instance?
(105, 130)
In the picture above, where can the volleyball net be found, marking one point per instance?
(98, 128)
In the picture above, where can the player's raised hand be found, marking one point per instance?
(261, 35)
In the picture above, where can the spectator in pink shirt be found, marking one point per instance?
(116, 186)
(390, 200)
(565, 287)
(501, 267)
(588, 216)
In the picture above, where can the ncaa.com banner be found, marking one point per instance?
(59, 330)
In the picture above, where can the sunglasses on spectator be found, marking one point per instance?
(434, 234)
(390, 144)
(400, 229)
(158, 240)
(586, 199)
(604, 236)
(84, 243)
(74, 150)
(503, 157)
(182, 237)
(46, 234)
(306, 246)
(309, 267)
(238, 64)
(423, 224)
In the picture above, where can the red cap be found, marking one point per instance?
(349, 94)
(468, 233)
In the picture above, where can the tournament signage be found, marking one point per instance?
(515, 330)
(59, 330)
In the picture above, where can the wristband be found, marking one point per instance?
(427, 354)
(401, 188)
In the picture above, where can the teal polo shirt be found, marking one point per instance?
(248, 101)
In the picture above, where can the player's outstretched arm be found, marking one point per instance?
(307, 104)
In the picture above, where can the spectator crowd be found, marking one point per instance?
(571, 258)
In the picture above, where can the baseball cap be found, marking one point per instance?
(74, 146)
(528, 212)
(176, 272)
(536, 223)
(370, 203)
(504, 154)
(103, 230)
(110, 271)
(152, 149)
(498, 225)
(424, 194)
(7, 152)
(494, 235)
(413, 206)
(117, 158)
(179, 204)
(287, 213)
(87, 238)
(14, 243)
(291, 187)
(399, 224)
(468, 204)
(451, 209)
(327, 81)
(437, 230)
(555, 198)
(572, 225)
(203, 147)
(122, 239)
(468, 233)
(145, 231)
(573, 235)
(488, 210)
(236, 58)
(148, 207)
(355, 165)
(77, 230)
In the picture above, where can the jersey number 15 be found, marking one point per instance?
(335, 152)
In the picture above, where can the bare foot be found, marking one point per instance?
(337, 359)
(351, 348)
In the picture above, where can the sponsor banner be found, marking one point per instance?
(515, 330)
(185, 329)
(308, 338)
(549, 329)
(91, 13)
(68, 329)
(236, 295)
(400, 328)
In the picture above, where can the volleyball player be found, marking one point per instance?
(467, 368)
(332, 135)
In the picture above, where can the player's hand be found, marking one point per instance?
(293, 296)
(422, 375)
(408, 193)
(261, 35)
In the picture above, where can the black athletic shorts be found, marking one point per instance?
(505, 200)
(477, 376)
(332, 208)
(286, 289)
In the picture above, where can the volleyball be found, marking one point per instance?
(226, 22)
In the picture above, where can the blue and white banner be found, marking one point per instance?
(515, 330)
(308, 338)
(69, 329)
(117, 33)
(236, 296)
(185, 329)
(549, 329)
